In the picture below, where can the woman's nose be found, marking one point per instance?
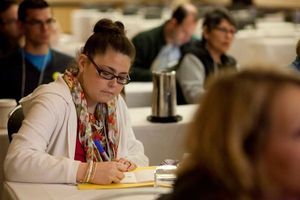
(113, 82)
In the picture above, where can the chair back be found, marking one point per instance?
(15, 119)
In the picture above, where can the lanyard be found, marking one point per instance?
(24, 72)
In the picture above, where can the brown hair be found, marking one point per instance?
(4, 6)
(213, 18)
(229, 129)
(108, 34)
(184, 10)
(26, 5)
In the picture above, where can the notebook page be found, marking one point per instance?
(139, 176)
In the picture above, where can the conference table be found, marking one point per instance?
(31, 191)
(161, 140)
(138, 94)
(269, 44)
(3, 146)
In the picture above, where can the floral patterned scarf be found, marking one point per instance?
(101, 125)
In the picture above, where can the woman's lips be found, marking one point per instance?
(107, 92)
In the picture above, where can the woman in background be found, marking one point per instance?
(207, 56)
(244, 142)
(296, 63)
(77, 128)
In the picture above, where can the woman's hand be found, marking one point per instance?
(130, 165)
(108, 172)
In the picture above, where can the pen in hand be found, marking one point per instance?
(101, 150)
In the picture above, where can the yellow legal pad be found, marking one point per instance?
(146, 180)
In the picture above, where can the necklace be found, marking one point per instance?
(24, 71)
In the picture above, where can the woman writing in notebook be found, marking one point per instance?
(77, 128)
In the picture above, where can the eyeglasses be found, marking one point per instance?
(40, 23)
(8, 21)
(226, 31)
(108, 75)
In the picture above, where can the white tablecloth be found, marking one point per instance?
(138, 94)
(3, 149)
(83, 21)
(161, 140)
(27, 191)
(269, 46)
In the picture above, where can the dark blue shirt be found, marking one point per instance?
(296, 63)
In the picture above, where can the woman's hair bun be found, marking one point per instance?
(108, 26)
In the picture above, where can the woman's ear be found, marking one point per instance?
(82, 62)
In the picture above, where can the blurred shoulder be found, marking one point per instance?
(61, 56)
(149, 34)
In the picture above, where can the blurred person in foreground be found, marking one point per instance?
(10, 33)
(26, 68)
(296, 63)
(161, 48)
(77, 129)
(244, 140)
(207, 56)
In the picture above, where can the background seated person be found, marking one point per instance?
(26, 68)
(296, 63)
(68, 121)
(243, 142)
(163, 46)
(10, 34)
(208, 56)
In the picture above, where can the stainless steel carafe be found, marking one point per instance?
(164, 100)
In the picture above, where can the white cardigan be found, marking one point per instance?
(43, 150)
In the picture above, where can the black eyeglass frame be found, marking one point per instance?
(35, 22)
(225, 30)
(8, 21)
(109, 75)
